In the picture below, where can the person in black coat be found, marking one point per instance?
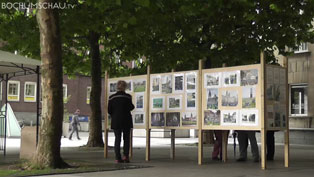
(119, 107)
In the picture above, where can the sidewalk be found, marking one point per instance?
(185, 163)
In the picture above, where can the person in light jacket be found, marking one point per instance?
(119, 107)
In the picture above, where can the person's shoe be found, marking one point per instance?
(126, 159)
(79, 138)
(119, 161)
(241, 159)
(70, 138)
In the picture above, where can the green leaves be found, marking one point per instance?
(132, 20)
(144, 3)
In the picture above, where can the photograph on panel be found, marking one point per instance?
(283, 115)
(189, 119)
(249, 77)
(128, 86)
(190, 100)
(270, 116)
(277, 115)
(166, 84)
(229, 98)
(277, 119)
(212, 98)
(155, 82)
(231, 79)
(269, 75)
(112, 87)
(270, 92)
(178, 82)
(173, 119)
(229, 117)
(276, 92)
(174, 102)
(249, 117)
(138, 118)
(158, 103)
(139, 85)
(277, 75)
(212, 80)
(248, 97)
(190, 81)
(212, 117)
(139, 101)
(157, 119)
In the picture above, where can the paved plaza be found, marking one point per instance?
(185, 163)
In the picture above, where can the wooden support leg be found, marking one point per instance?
(106, 143)
(147, 144)
(224, 145)
(200, 147)
(286, 148)
(263, 149)
(131, 144)
(173, 136)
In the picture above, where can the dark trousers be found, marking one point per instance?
(74, 129)
(126, 142)
(270, 145)
(243, 138)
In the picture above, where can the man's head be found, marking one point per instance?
(77, 111)
(121, 85)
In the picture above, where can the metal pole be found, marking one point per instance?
(5, 113)
(37, 101)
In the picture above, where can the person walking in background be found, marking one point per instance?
(243, 138)
(119, 107)
(74, 124)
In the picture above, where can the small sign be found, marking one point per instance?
(80, 118)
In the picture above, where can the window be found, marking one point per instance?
(88, 95)
(303, 47)
(13, 90)
(30, 92)
(65, 93)
(299, 102)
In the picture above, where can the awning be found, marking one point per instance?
(16, 65)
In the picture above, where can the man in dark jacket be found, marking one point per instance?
(119, 107)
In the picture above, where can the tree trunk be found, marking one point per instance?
(48, 149)
(95, 131)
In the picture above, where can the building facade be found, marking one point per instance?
(301, 86)
(301, 93)
(22, 96)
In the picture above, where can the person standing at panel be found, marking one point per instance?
(270, 145)
(243, 138)
(119, 107)
(74, 124)
(217, 151)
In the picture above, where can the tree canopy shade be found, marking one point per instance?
(225, 31)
